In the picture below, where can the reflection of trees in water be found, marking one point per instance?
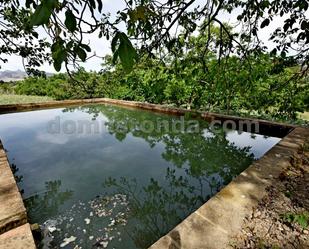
(156, 208)
(15, 169)
(204, 151)
(45, 205)
(204, 162)
(18, 178)
(207, 156)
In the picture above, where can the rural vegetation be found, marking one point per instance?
(267, 89)
(167, 52)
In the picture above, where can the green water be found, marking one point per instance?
(127, 180)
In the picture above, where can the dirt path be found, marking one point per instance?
(281, 218)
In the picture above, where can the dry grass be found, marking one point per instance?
(304, 116)
(6, 99)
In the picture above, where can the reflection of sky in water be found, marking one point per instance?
(81, 162)
(259, 144)
(254, 140)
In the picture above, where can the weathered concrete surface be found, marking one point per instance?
(18, 238)
(12, 209)
(265, 127)
(15, 232)
(219, 219)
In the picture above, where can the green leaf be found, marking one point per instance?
(123, 48)
(114, 42)
(81, 53)
(70, 45)
(127, 53)
(59, 57)
(139, 13)
(35, 34)
(283, 54)
(59, 54)
(273, 52)
(304, 25)
(100, 5)
(265, 23)
(70, 21)
(254, 31)
(286, 26)
(86, 47)
(57, 65)
(41, 15)
(50, 4)
(115, 57)
(92, 4)
(28, 3)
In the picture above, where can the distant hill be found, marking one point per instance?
(9, 75)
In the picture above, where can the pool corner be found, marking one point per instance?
(219, 219)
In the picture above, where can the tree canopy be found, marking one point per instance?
(149, 27)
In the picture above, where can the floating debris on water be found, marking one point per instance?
(109, 214)
(67, 241)
(87, 221)
(50, 225)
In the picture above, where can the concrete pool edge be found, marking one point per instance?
(221, 217)
(268, 128)
(15, 230)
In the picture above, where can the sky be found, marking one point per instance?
(102, 47)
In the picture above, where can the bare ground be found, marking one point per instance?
(281, 218)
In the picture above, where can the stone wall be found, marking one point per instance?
(15, 232)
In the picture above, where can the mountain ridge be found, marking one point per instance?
(14, 75)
